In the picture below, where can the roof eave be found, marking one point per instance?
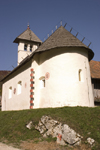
(19, 39)
(24, 62)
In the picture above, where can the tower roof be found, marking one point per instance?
(27, 35)
(63, 38)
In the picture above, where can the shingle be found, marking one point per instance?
(28, 35)
(95, 69)
(63, 38)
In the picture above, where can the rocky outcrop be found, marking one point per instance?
(49, 127)
(64, 134)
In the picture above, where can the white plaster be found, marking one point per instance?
(63, 88)
(21, 53)
(17, 101)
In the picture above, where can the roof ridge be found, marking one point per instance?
(47, 38)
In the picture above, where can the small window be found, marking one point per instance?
(30, 48)
(10, 92)
(19, 87)
(80, 75)
(25, 47)
(42, 82)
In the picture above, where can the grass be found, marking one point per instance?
(85, 121)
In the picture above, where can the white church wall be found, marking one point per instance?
(63, 87)
(89, 84)
(20, 98)
(22, 53)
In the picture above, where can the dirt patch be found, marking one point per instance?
(44, 145)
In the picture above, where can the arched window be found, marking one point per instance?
(10, 92)
(19, 87)
(80, 74)
(42, 82)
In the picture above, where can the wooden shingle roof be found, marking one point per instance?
(28, 35)
(3, 73)
(63, 38)
(95, 69)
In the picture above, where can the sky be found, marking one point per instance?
(43, 16)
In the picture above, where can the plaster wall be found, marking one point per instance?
(21, 101)
(22, 53)
(63, 87)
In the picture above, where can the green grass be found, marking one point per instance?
(85, 121)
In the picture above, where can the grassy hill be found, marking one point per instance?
(85, 121)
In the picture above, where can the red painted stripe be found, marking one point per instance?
(31, 79)
(31, 107)
(31, 74)
(32, 69)
(31, 101)
(31, 90)
(31, 85)
(31, 96)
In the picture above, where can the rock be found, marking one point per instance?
(57, 130)
(40, 127)
(49, 127)
(29, 125)
(48, 122)
(69, 135)
(91, 141)
(60, 140)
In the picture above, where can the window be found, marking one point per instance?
(42, 82)
(30, 48)
(80, 75)
(19, 87)
(25, 47)
(10, 92)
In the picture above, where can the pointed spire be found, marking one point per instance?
(28, 26)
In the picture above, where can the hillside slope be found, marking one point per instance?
(85, 121)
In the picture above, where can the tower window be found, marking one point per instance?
(10, 92)
(19, 87)
(25, 47)
(30, 48)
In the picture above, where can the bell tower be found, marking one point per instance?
(28, 42)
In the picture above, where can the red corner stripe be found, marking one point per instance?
(32, 69)
(31, 107)
(31, 74)
(31, 85)
(31, 90)
(31, 96)
(31, 101)
(31, 79)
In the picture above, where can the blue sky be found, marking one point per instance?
(43, 16)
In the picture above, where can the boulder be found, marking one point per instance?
(69, 135)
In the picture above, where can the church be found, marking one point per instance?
(53, 73)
